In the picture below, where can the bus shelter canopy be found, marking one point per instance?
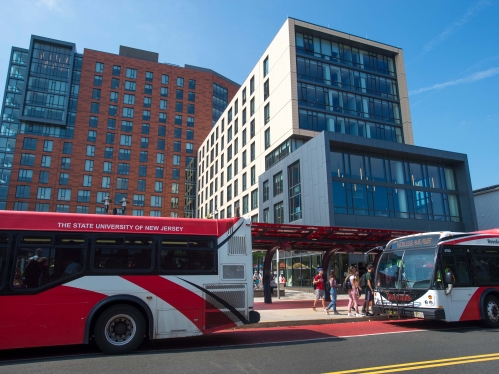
(266, 236)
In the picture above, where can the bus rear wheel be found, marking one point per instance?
(119, 329)
(491, 311)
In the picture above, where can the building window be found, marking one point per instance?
(46, 161)
(96, 94)
(252, 106)
(175, 188)
(164, 79)
(174, 203)
(244, 184)
(177, 147)
(191, 96)
(279, 213)
(138, 200)
(131, 73)
(254, 199)
(145, 128)
(164, 91)
(294, 186)
(67, 148)
(266, 113)
(127, 112)
(177, 133)
(23, 192)
(192, 84)
(20, 206)
(179, 94)
(142, 171)
(27, 159)
(175, 174)
(252, 129)
(87, 181)
(108, 167)
(178, 107)
(42, 207)
(149, 76)
(160, 158)
(252, 85)
(115, 83)
(91, 150)
(97, 80)
(190, 121)
(253, 175)
(63, 178)
(146, 115)
(109, 138)
(178, 119)
(189, 147)
(176, 160)
(113, 97)
(266, 90)
(159, 172)
(122, 183)
(147, 102)
(266, 191)
(108, 152)
(266, 215)
(148, 89)
(161, 144)
(180, 82)
(83, 196)
(126, 126)
(25, 175)
(94, 107)
(138, 212)
(111, 123)
(92, 136)
(65, 163)
(189, 134)
(244, 95)
(156, 201)
(252, 152)
(265, 66)
(141, 185)
(278, 184)
(190, 108)
(116, 70)
(64, 194)
(123, 169)
(60, 208)
(89, 165)
(144, 142)
(126, 140)
(163, 104)
(267, 138)
(129, 86)
(124, 154)
(112, 111)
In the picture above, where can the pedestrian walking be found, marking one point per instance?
(333, 284)
(369, 290)
(353, 296)
(319, 289)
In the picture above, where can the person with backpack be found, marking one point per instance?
(350, 285)
(333, 290)
(319, 289)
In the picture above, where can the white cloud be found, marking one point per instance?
(455, 26)
(469, 79)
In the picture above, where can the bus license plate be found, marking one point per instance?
(418, 314)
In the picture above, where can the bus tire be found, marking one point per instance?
(491, 307)
(119, 329)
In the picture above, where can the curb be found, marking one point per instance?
(263, 325)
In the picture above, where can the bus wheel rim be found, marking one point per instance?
(120, 329)
(492, 312)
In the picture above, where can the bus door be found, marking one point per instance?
(455, 259)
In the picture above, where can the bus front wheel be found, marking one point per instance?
(119, 329)
(491, 311)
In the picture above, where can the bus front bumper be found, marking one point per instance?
(410, 312)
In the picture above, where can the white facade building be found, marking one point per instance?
(265, 121)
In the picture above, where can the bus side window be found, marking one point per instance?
(462, 273)
(486, 265)
(3, 258)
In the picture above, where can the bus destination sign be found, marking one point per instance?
(416, 242)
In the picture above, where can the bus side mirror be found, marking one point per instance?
(449, 277)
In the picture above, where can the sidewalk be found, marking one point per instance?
(295, 309)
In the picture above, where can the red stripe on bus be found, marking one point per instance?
(187, 302)
(53, 317)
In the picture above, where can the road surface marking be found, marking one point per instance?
(422, 364)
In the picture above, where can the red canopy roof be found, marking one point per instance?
(265, 236)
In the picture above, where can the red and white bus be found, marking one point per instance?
(443, 276)
(69, 278)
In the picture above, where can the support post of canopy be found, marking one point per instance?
(267, 291)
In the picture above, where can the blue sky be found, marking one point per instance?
(450, 46)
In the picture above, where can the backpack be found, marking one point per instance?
(363, 281)
(347, 285)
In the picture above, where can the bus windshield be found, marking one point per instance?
(406, 269)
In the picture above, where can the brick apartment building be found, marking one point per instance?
(79, 127)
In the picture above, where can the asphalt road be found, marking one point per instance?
(304, 349)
